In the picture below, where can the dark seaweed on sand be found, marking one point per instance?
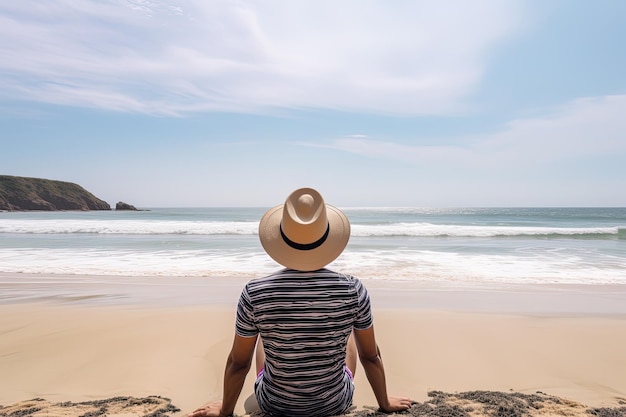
(440, 404)
(607, 412)
(488, 403)
(165, 409)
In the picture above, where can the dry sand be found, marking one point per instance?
(82, 358)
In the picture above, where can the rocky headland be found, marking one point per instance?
(38, 194)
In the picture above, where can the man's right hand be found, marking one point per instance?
(208, 410)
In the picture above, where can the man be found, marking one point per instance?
(312, 322)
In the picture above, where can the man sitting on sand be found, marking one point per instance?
(312, 321)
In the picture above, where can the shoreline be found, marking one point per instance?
(173, 291)
(74, 341)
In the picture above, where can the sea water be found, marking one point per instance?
(455, 246)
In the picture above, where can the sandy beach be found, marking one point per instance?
(171, 341)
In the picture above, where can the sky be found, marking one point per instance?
(196, 103)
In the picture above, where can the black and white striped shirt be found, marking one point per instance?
(304, 319)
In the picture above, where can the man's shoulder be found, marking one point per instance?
(266, 280)
(285, 275)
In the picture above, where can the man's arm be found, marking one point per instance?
(237, 367)
(370, 358)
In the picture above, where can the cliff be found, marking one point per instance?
(24, 194)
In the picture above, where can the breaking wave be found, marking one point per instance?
(134, 227)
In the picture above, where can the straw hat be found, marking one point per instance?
(305, 233)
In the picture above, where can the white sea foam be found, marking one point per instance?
(163, 227)
(433, 230)
(128, 227)
(135, 263)
(563, 268)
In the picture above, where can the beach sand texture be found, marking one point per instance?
(68, 358)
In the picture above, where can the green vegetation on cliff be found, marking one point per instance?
(22, 193)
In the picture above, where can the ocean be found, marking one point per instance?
(450, 246)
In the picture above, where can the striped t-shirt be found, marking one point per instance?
(304, 320)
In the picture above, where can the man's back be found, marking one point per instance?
(304, 320)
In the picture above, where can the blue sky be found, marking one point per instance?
(374, 103)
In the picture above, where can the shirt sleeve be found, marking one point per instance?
(364, 319)
(245, 325)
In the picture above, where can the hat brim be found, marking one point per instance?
(304, 260)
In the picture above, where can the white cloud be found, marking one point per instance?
(390, 150)
(406, 57)
(586, 127)
(583, 127)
